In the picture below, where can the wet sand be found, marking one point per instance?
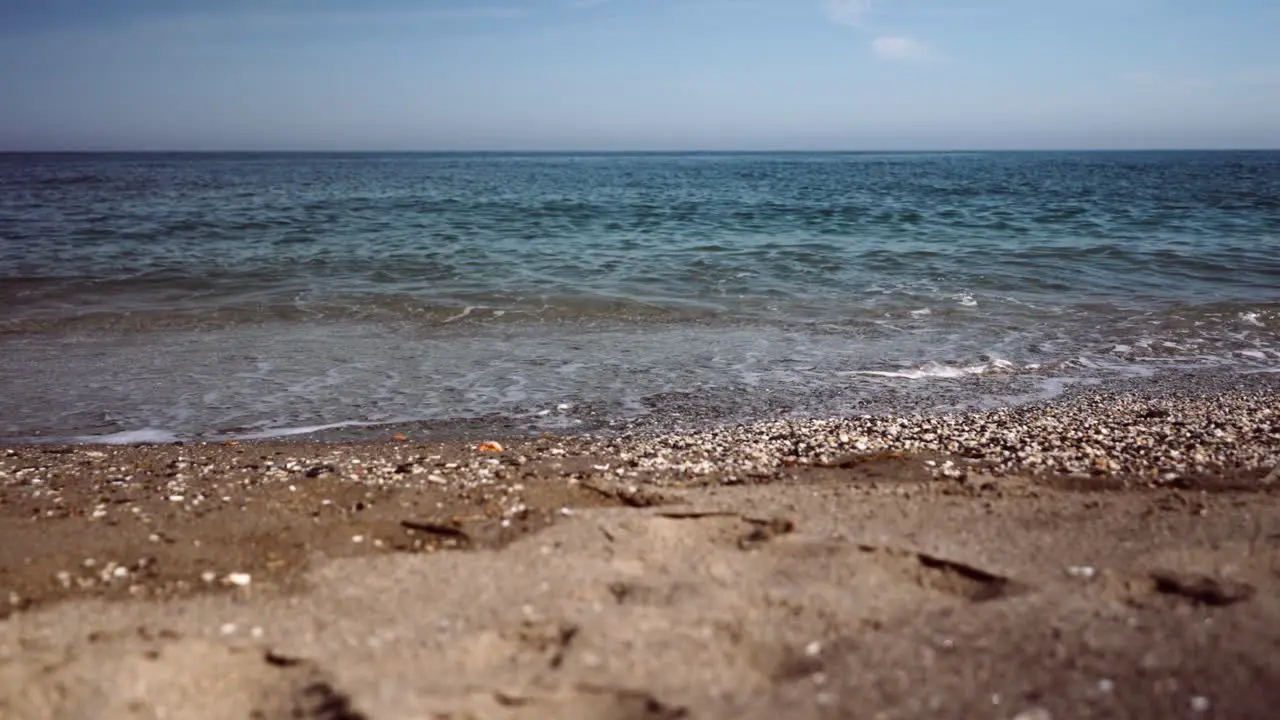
(812, 569)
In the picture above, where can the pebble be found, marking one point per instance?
(239, 579)
(1102, 432)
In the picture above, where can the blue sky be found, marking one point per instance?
(638, 74)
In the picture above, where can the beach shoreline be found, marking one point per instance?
(1112, 553)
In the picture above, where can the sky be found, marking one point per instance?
(638, 74)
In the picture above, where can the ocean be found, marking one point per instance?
(159, 297)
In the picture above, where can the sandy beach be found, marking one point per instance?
(1107, 555)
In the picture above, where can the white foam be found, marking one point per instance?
(922, 312)
(465, 312)
(145, 436)
(305, 429)
(1251, 318)
(884, 324)
(940, 370)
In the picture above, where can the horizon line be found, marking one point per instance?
(620, 151)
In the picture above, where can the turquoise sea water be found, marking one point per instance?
(240, 295)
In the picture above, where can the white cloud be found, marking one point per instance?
(901, 49)
(897, 48)
(848, 12)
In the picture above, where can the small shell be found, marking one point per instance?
(489, 446)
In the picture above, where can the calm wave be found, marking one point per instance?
(250, 294)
